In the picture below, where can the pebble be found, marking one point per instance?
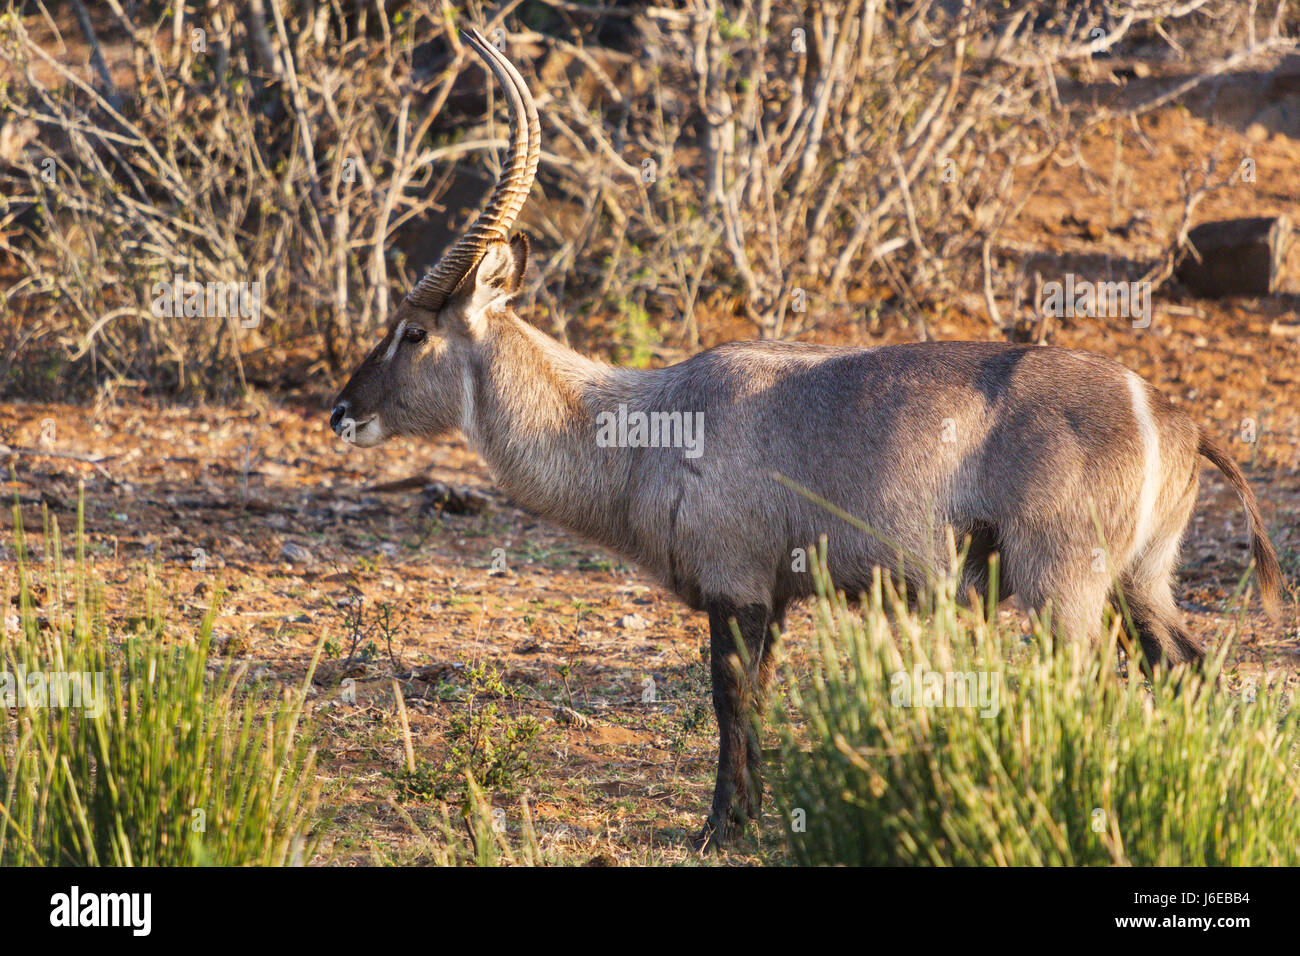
(296, 554)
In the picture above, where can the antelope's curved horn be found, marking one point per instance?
(510, 193)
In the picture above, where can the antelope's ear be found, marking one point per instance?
(519, 246)
(496, 278)
(490, 284)
(501, 270)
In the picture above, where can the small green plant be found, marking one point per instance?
(361, 628)
(145, 758)
(424, 781)
(938, 739)
(495, 746)
(487, 738)
(564, 670)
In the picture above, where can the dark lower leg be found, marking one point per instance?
(763, 675)
(735, 666)
(1164, 639)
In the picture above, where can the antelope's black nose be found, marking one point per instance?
(340, 411)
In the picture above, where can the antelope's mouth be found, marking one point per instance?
(363, 434)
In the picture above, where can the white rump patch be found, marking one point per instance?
(397, 340)
(1151, 471)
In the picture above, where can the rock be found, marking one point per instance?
(296, 554)
(430, 673)
(331, 672)
(567, 715)
(230, 645)
(447, 499)
(1237, 256)
(633, 622)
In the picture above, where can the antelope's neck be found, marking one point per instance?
(530, 408)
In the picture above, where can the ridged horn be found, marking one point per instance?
(510, 193)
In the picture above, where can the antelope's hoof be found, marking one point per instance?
(714, 837)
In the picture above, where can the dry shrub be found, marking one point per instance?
(711, 169)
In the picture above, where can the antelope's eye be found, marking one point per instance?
(414, 335)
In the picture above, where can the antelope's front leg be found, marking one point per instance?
(734, 666)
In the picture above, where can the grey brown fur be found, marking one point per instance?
(1043, 455)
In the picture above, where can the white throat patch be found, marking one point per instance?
(467, 408)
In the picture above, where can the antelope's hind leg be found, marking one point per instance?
(1147, 587)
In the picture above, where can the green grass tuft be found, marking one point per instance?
(1075, 765)
(176, 765)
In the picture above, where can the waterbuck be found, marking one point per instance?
(1040, 454)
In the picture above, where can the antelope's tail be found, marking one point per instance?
(1266, 567)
